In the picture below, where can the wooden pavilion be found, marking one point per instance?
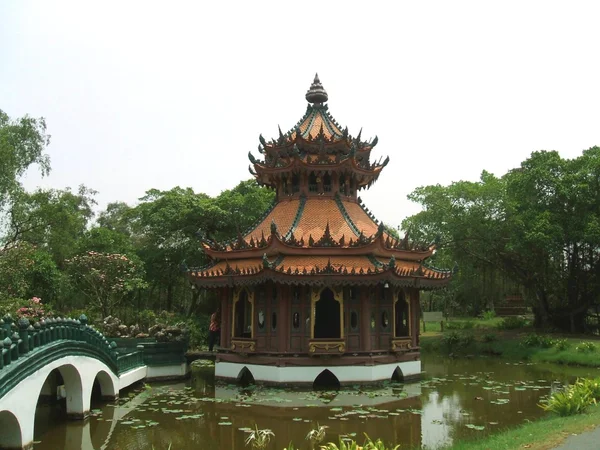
(318, 290)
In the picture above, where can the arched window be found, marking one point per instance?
(312, 182)
(327, 183)
(353, 320)
(274, 321)
(284, 185)
(327, 316)
(401, 319)
(343, 185)
(243, 316)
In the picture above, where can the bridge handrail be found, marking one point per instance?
(18, 340)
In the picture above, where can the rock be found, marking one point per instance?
(141, 335)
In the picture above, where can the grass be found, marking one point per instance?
(483, 337)
(542, 434)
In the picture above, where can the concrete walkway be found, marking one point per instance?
(590, 440)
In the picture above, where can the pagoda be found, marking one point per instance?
(319, 289)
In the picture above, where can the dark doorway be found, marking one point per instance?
(397, 376)
(326, 380)
(327, 316)
(402, 319)
(245, 377)
(243, 316)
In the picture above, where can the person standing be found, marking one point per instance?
(214, 328)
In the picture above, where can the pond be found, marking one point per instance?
(456, 400)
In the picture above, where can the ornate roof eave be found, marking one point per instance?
(389, 275)
(296, 163)
(276, 245)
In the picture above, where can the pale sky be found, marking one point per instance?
(141, 95)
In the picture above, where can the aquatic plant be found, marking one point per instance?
(352, 445)
(316, 435)
(574, 399)
(259, 439)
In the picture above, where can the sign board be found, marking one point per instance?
(434, 316)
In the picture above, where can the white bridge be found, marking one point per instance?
(66, 359)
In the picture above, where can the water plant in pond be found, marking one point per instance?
(574, 399)
(259, 439)
(353, 445)
(316, 435)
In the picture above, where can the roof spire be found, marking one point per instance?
(317, 93)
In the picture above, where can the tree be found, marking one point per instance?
(22, 143)
(538, 225)
(51, 219)
(105, 279)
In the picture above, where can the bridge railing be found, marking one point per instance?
(19, 339)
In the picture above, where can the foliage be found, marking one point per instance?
(352, 445)
(105, 279)
(22, 143)
(26, 272)
(512, 323)
(488, 315)
(33, 310)
(574, 399)
(259, 439)
(489, 337)
(561, 344)
(454, 341)
(586, 347)
(537, 340)
(537, 226)
(316, 436)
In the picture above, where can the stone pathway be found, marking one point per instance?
(590, 440)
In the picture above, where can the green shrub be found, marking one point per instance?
(489, 337)
(456, 341)
(568, 402)
(586, 347)
(512, 322)
(537, 340)
(560, 344)
(574, 399)
(352, 445)
(488, 315)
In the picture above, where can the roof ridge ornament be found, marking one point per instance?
(317, 93)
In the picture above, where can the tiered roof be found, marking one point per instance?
(313, 236)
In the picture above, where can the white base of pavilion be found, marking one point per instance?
(306, 375)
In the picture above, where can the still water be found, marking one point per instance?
(457, 400)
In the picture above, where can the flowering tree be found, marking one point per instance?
(105, 279)
(34, 309)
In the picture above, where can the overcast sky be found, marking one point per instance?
(141, 95)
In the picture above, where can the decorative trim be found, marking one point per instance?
(401, 344)
(313, 346)
(243, 344)
(296, 221)
(345, 215)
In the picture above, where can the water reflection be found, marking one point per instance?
(458, 400)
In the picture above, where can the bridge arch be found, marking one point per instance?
(73, 390)
(11, 430)
(108, 388)
(78, 373)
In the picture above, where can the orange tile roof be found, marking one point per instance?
(220, 268)
(311, 125)
(317, 213)
(360, 218)
(283, 214)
